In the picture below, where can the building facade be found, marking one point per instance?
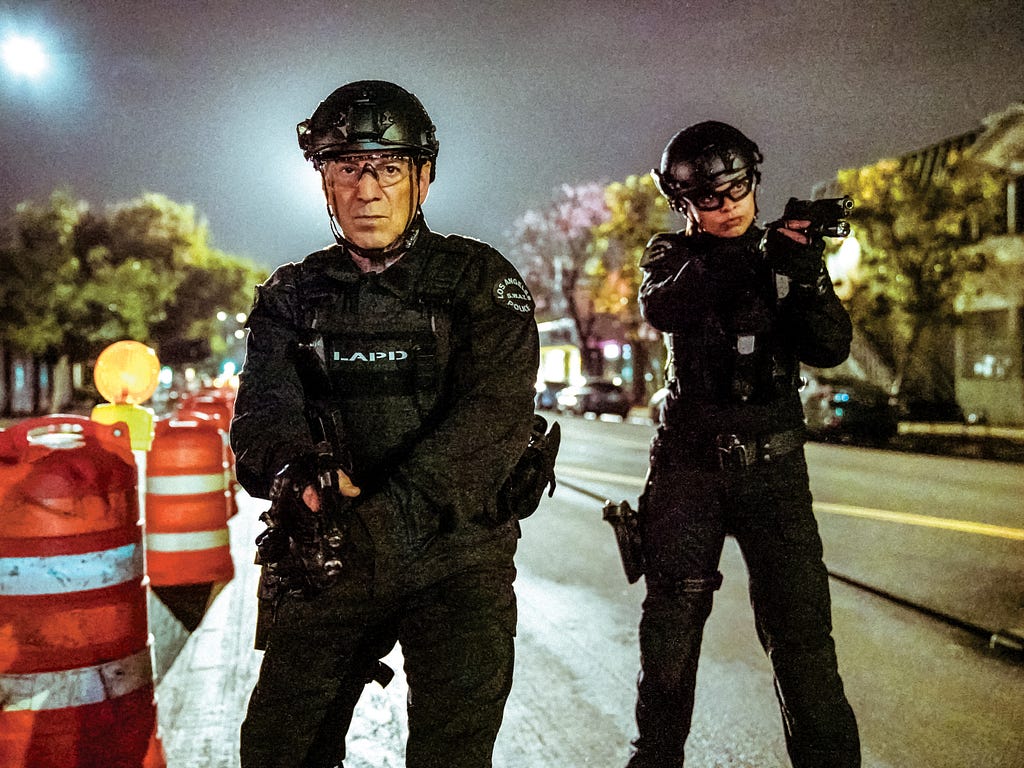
(982, 354)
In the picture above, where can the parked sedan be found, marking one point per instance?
(594, 397)
(840, 406)
(546, 398)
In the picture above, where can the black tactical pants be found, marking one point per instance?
(686, 513)
(457, 642)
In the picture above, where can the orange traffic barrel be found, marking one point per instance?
(218, 405)
(76, 679)
(187, 539)
(215, 406)
(225, 394)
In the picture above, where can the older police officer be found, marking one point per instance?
(416, 407)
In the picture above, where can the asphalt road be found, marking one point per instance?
(927, 693)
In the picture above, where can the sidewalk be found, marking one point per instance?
(972, 441)
(202, 695)
(201, 700)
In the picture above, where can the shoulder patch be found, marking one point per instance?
(511, 292)
(662, 247)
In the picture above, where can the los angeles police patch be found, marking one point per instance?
(511, 292)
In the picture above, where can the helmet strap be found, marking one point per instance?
(400, 244)
(691, 216)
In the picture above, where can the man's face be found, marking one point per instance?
(373, 196)
(733, 217)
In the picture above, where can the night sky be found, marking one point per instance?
(199, 100)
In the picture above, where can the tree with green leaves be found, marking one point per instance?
(37, 261)
(637, 211)
(919, 241)
(141, 270)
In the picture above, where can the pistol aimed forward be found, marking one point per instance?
(827, 216)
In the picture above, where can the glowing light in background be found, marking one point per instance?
(843, 266)
(24, 57)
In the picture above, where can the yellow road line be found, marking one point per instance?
(906, 518)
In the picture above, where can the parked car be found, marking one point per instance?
(594, 397)
(546, 398)
(840, 406)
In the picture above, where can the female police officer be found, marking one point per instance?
(400, 432)
(728, 457)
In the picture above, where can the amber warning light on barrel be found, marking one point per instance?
(127, 374)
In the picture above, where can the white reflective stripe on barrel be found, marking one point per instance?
(75, 687)
(181, 485)
(56, 574)
(187, 542)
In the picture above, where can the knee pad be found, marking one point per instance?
(671, 585)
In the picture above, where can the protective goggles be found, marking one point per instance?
(347, 170)
(713, 199)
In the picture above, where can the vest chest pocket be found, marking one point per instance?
(386, 364)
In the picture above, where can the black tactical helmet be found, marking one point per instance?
(702, 157)
(369, 116)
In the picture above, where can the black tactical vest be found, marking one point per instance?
(386, 345)
(737, 356)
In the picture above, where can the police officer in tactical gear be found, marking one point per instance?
(388, 388)
(741, 308)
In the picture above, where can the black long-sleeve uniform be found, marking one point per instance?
(432, 365)
(728, 459)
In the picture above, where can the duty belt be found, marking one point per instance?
(734, 452)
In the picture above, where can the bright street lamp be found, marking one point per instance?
(24, 57)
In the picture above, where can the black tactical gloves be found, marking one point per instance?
(318, 469)
(303, 549)
(802, 263)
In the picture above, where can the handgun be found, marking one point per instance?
(827, 216)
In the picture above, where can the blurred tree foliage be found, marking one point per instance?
(920, 239)
(553, 249)
(637, 211)
(76, 280)
(581, 254)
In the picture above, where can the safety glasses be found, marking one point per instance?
(713, 199)
(347, 170)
